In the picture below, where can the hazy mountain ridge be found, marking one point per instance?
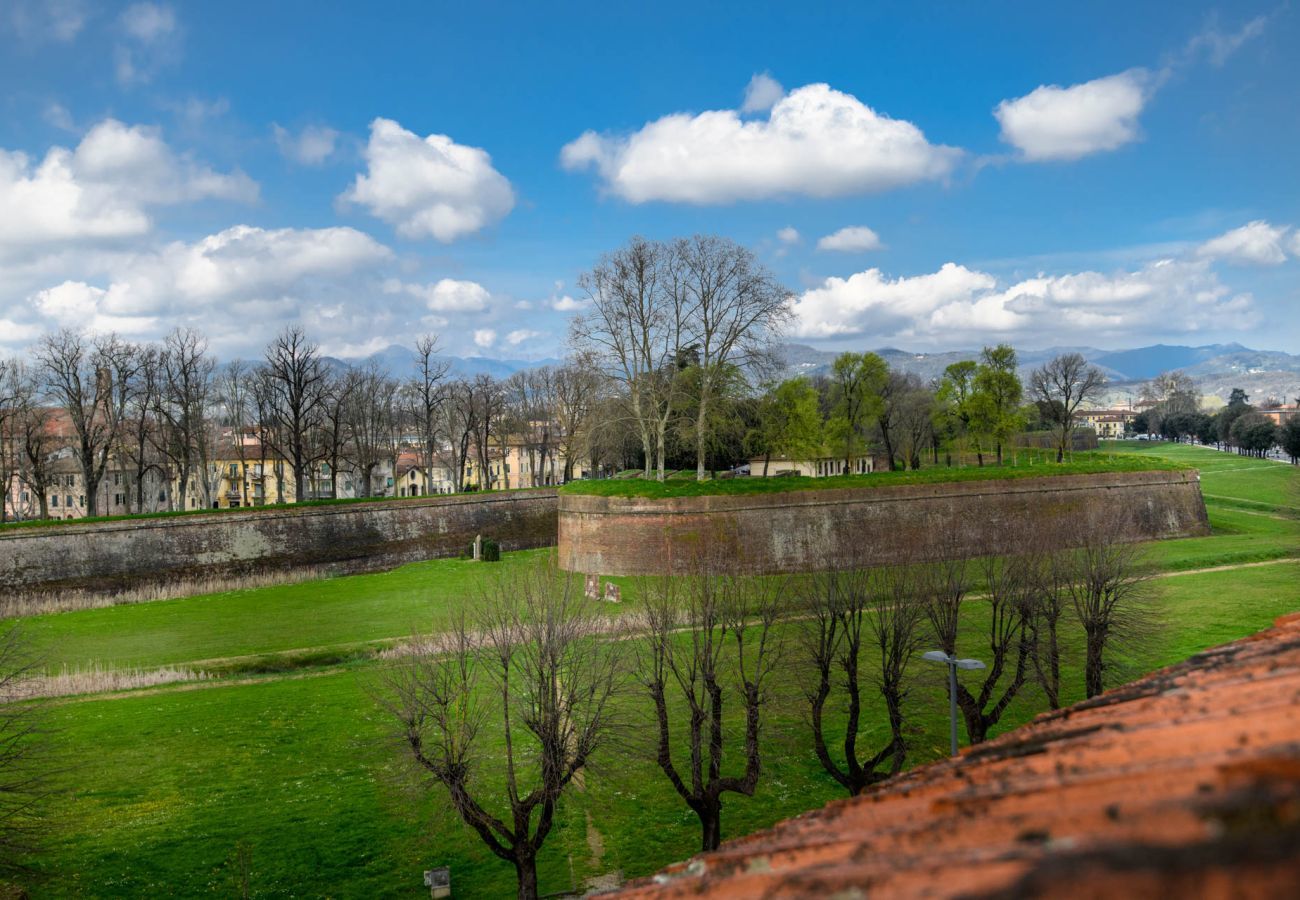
(1218, 368)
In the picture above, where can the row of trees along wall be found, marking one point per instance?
(1174, 411)
(693, 680)
(154, 427)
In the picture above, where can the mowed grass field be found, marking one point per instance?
(294, 777)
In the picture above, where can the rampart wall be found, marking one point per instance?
(803, 530)
(109, 557)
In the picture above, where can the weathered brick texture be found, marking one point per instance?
(798, 531)
(113, 556)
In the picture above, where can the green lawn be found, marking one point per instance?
(302, 771)
(1026, 464)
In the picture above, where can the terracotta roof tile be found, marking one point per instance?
(1183, 783)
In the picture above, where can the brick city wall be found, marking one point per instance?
(112, 556)
(802, 530)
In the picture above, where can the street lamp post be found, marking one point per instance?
(953, 664)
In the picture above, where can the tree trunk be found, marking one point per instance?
(1093, 666)
(526, 874)
(710, 825)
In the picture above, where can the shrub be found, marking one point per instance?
(491, 550)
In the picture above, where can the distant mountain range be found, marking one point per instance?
(1217, 368)
(399, 362)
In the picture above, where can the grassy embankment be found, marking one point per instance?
(300, 770)
(1024, 464)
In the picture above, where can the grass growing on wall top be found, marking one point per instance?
(263, 509)
(1025, 466)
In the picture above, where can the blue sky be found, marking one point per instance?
(1113, 174)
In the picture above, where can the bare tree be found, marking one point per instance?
(845, 610)
(295, 378)
(634, 330)
(371, 422)
(579, 390)
(488, 406)
(1011, 587)
(1052, 572)
(187, 372)
(33, 440)
(425, 396)
(529, 667)
(1111, 597)
(140, 435)
(710, 640)
(337, 391)
(9, 405)
(458, 424)
(89, 379)
(1061, 386)
(735, 310)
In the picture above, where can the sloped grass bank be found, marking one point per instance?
(1025, 465)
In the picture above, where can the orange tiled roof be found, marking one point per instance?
(1184, 783)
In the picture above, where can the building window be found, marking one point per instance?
(54, 501)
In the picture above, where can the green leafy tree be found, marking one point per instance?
(857, 380)
(790, 422)
(1289, 438)
(958, 394)
(998, 393)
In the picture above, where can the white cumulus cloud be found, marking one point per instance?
(1064, 123)
(103, 188)
(1254, 244)
(853, 239)
(220, 284)
(484, 338)
(429, 187)
(446, 295)
(957, 305)
(815, 141)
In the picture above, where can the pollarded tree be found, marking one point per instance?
(849, 612)
(1010, 649)
(710, 642)
(529, 667)
(1111, 597)
(1061, 386)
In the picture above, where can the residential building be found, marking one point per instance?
(815, 467)
(1108, 423)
